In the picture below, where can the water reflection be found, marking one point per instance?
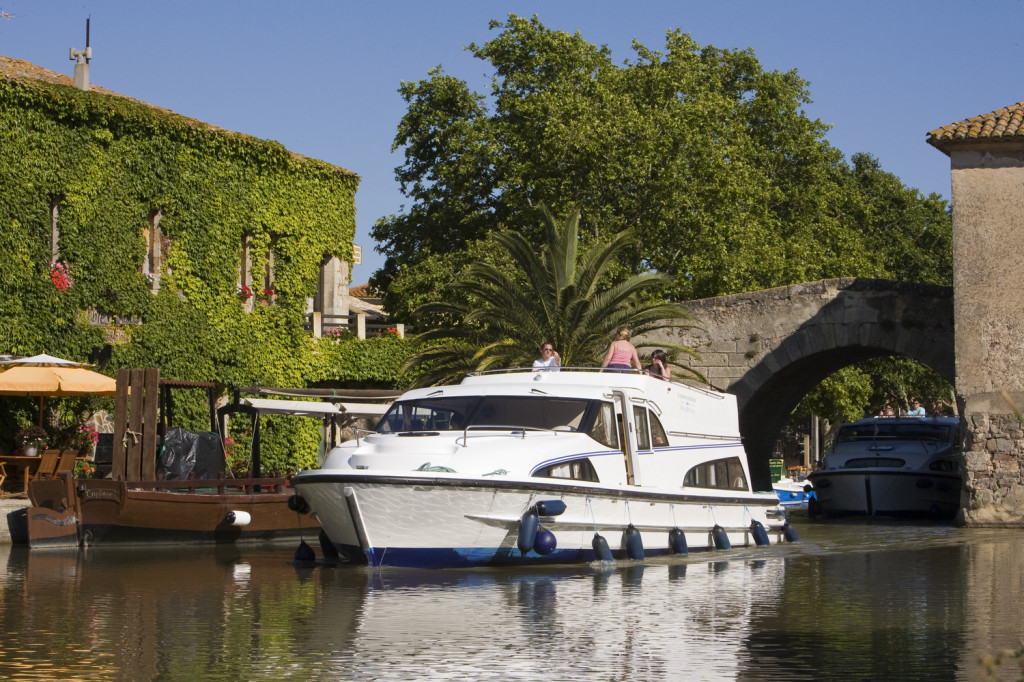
(850, 602)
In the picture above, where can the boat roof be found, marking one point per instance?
(948, 421)
(583, 382)
(303, 408)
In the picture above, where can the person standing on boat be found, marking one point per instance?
(549, 360)
(916, 410)
(659, 365)
(621, 354)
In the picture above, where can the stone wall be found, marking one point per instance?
(771, 347)
(988, 259)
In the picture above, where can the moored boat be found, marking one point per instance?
(190, 499)
(525, 467)
(885, 466)
(793, 494)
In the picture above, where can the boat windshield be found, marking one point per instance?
(455, 413)
(880, 430)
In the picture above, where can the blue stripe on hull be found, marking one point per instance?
(446, 557)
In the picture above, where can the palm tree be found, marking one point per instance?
(499, 322)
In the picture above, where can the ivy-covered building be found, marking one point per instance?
(167, 241)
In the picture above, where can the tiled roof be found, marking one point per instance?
(363, 291)
(1001, 124)
(28, 73)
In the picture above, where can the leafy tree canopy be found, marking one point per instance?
(704, 156)
(499, 317)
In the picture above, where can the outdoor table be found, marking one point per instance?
(25, 465)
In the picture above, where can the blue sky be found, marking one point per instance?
(321, 77)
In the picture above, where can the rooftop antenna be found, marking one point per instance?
(81, 58)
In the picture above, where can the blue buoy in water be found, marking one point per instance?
(789, 532)
(720, 538)
(601, 549)
(633, 542)
(527, 530)
(759, 533)
(304, 552)
(550, 507)
(544, 542)
(677, 542)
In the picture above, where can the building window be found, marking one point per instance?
(154, 238)
(245, 287)
(268, 272)
(54, 229)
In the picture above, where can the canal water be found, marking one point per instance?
(851, 601)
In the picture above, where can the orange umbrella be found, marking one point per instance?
(45, 375)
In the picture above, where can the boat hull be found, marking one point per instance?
(98, 511)
(867, 492)
(444, 521)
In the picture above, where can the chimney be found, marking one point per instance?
(81, 67)
(81, 58)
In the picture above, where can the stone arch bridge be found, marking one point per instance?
(772, 347)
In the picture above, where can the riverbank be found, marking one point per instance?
(8, 505)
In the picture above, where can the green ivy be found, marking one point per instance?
(109, 162)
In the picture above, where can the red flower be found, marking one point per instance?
(60, 275)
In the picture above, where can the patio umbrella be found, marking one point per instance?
(45, 375)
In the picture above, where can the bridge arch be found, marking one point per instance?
(772, 347)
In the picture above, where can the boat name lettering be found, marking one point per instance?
(102, 494)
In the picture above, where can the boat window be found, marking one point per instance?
(576, 470)
(882, 430)
(950, 465)
(869, 462)
(428, 414)
(643, 430)
(724, 474)
(538, 412)
(658, 437)
(604, 430)
(455, 413)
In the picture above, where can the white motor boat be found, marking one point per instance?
(793, 494)
(885, 466)
(524, 467)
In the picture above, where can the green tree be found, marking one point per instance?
(562, 295)
(704, 156)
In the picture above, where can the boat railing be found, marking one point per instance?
(593, 370)
(220, 486)
(518, 431)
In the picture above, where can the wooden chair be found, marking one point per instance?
(47, 463)
(66, 464)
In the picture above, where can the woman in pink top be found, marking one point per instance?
(621, 354)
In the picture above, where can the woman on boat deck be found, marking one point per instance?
(621, 354)
(659, 365)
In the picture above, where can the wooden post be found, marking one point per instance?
(150, 414)
(117, 463)
(133, 453)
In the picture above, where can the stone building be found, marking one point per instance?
(987, 166)
(134, 197)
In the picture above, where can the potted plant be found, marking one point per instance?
(84, 440)
(32, 439)
(84, 469)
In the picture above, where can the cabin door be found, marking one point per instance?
(628, 436)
